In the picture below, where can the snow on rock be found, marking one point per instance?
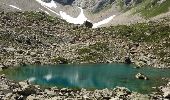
(15, 7)
(79, 20)
(45, 11)
(105, 21)
(51, 4)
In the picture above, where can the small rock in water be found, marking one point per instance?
(141, 76)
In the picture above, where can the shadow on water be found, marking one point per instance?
(90, 76)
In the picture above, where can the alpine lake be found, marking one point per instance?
(90, 76)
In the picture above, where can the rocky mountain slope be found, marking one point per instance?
(37, 38)
(124, 11)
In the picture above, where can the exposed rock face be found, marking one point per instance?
(96, 5)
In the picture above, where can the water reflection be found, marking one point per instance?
(31, 79)
(48, 77)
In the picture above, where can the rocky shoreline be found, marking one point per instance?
(10, 90)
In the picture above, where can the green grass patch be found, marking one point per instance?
(100, 46)
(151, 8)
(143, 32)
(83, 51)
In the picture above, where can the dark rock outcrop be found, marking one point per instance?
(127, 60)
(88, 24)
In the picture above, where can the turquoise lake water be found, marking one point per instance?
(90, 76)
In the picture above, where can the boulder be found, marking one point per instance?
(2, 76)
(127, 60)
(141, 76)
(33, 54)
(2, 67)
(166, 91)
(139, 64)
(26, 89)
(88, 24)
(121, 91)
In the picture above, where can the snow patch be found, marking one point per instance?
(51, 4)
(15, 7)
(48, 77)
(79, 20)
(105, 21)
